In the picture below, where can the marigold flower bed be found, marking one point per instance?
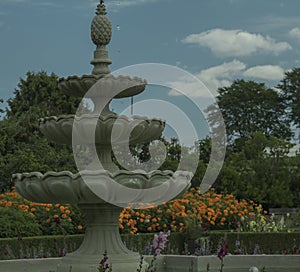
(209, 211)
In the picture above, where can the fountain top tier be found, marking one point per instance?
(101, 34)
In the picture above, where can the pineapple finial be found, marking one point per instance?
(101, 32)
(101, 29)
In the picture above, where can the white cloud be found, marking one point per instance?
(223, 75)
(269, 72)
(234, 43)
(295, 33)
(211, 78)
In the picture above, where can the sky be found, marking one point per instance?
(216, 40)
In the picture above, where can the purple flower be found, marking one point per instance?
(103, 261)
(159, 242)
(223, 250)
(103, 266)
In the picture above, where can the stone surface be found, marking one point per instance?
(79, 86)
(141, 129)
(65, 187)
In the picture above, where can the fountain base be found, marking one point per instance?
(102, 235)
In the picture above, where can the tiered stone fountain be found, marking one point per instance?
(101, 213)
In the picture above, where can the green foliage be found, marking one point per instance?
(53, 246)
(22, 146)
(15, 223)
(259, 172)
(249, 107)
(255, 243)
(290, 92)
(52, 219)
(39, 246)
(38, 95)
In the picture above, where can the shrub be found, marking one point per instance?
(15, 223)
(53, 219)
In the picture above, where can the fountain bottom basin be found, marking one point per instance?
(175, 263)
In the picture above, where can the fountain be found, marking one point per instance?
(100, 188)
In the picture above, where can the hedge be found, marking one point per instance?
(255, 243)
(204, 244)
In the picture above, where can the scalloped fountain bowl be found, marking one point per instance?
(79, 86)
(56, 187)
(140, 129)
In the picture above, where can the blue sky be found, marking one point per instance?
(216, 40)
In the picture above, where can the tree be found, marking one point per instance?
(249, 107)
(23, 148)
(260, 171)
(290, 92)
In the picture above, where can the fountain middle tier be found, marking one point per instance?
(141, 129)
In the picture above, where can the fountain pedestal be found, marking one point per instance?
(102, 235)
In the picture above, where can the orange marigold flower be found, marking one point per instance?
(55, 216)
(79, 227)
(67, 211)
(63, 216)
(48, 220)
